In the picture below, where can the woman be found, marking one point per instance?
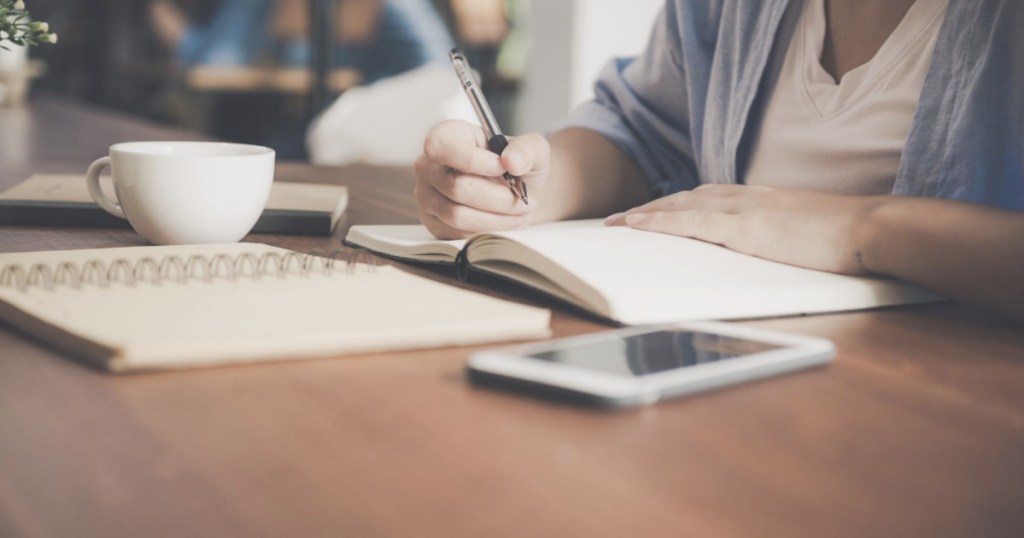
(854, 136)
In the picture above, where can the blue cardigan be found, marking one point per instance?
(683, 108)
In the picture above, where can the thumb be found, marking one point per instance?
(526, 154)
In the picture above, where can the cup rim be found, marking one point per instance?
(235, 150)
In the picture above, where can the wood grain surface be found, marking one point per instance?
(917, 429)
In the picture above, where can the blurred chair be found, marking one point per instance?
(385, 122)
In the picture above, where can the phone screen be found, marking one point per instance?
(653, 352)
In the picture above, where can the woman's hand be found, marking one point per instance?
(805, 228)
(459, 186)
(965, 251)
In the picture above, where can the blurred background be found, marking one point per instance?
(331, 81)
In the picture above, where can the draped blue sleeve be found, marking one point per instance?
(681, 108)
(642, 105)
(967, 139)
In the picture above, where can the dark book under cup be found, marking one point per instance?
(63, 200)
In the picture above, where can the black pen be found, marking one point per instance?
(496, 141)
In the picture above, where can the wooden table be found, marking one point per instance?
(917, 429)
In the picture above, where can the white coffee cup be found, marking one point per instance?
(176, 193)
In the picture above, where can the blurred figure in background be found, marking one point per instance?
(399, 48)
(379, 38)
(480, 22)
(385, 122)
(481, 28)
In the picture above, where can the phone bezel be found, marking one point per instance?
(515, 364)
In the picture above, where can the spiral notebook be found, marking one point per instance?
(141, 308)
(636, 277)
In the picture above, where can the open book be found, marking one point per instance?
(635, 277)
(152, 307)
(63, 200)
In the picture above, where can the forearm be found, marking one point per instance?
(967, 252)
(590, 177)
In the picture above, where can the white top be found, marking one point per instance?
(844, 137)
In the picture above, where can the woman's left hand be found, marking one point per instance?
(805, 228)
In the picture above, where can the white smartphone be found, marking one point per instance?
(642, 365)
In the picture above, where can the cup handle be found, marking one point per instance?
(92, 180)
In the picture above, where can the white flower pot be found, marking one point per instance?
(14, 60)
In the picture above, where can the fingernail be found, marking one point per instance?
(637, 219)
(612, 220)
(513, 160)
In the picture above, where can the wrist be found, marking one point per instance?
(877, 230)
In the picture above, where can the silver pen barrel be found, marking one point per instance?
(475, 95)
(496, 141)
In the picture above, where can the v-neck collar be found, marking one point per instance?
(829, 97)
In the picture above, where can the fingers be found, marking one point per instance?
(710, 213)
(526, 154)
(729, 199)
(710, 226)
(485, 194)
(448, 220)
(483, 203)
(725, 198)
(441, 230)
(460, 145)
(679, 202)
(459, 185)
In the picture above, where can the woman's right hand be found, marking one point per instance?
(459, 185)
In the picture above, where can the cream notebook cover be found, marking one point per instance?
(637, 277)
(141, 308)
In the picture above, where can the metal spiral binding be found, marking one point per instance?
(174, 268)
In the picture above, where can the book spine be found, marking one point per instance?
(462, 265)
(66, 214)
(88, 215)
